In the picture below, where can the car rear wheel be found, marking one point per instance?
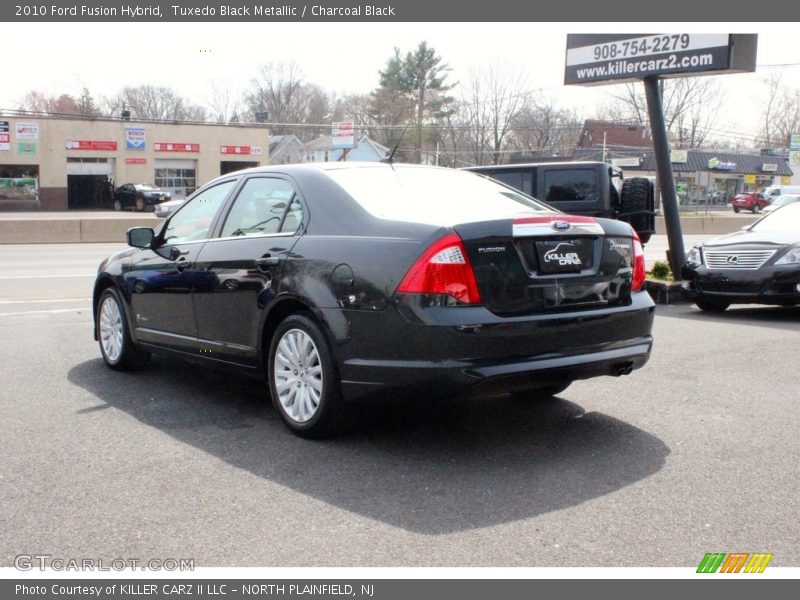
(709, 305)
(116, 345)
(303, 381)
(117, 205)
(736, 210)
(543, 393)
(756, 209)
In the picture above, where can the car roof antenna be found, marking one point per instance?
(389, 158)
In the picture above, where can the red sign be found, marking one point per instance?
(240, 150)
(175, 147)
(90, 145)
(135, 161)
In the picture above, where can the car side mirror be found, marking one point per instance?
(140, 237)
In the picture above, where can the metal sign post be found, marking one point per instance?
(669, 199)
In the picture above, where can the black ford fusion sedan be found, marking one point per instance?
(758, 265)
(343, 280)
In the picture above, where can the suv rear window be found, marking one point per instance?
(570, 185)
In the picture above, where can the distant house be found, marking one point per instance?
(319, 150)
(284, 149)
(596, 134)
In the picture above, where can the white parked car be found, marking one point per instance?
(165, 209)
(781, 201)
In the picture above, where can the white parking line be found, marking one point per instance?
(45, 301)
(46, 276)
(45, 312)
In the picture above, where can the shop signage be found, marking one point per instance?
(786, 180)
(614, 57)
(794, 158)
(135, 161)
(26, 148)
(241, 150)
(769, 167)
(749, 179)
(794, 141)
(679, 156)
(90, 145)
(5, 136)
(134, 138)
(27, 131)
(175, 147)
(632, 161)
(343, 134)
(719, 165)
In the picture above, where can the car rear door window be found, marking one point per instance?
(265, 205)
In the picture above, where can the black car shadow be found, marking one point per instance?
(428, 467)
(757, 315)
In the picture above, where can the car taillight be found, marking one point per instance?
(443, 268)
(639, 272)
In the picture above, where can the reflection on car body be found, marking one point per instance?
(346, 280)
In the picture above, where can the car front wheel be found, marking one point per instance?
(116, 344)
(140, 204)
(303, 381)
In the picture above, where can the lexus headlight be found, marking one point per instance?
(694, 258)
(792, 257)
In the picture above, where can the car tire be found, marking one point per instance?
(542, 393)
(117, 205)
(708, 305)
(139, 203)
(736, 210)
(116, 346)
(637, 196)
(303, 380)
(756, 209)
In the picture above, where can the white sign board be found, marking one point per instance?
(343, 134)
(27, 131)
(631, 161)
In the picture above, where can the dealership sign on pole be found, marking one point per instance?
(614, 58)
(608, 58)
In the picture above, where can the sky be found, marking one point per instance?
(346, 57)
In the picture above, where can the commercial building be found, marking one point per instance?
(57, 164)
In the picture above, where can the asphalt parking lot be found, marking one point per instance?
(694, 453)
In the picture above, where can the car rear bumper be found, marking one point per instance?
(447, 349)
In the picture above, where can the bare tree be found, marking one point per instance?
(490, 106)
(156, 103)
(781, 113)
(691, 108)
(64, 104)
(224, 102)
(276, 91)
(545, 129)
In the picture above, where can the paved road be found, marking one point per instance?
(696, 452)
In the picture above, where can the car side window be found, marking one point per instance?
(192, 221)
(264, 205)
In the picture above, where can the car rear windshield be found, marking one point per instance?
(438, 196)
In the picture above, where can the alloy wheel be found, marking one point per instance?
(297, 375)
(111, 332)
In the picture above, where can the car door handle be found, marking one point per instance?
(268, 261)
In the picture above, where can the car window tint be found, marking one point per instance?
(432, 195)
(574, 184)
(259, 208)
(192, 221)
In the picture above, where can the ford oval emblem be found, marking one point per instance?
(561, 225)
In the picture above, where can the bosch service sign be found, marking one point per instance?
(134, 138)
